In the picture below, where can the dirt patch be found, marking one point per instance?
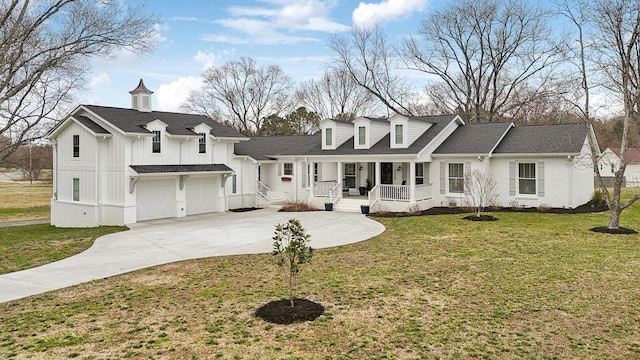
(244, 209)
(618, 231)
(297, 206)
(281, 312)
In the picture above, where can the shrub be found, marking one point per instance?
(297, 206)
(598, 199)
(291, 250)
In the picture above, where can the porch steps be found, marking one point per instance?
(275, 197)
(348, 205)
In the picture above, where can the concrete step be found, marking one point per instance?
(346, 205)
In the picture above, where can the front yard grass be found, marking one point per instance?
(529, 286)
(22, 201)
(33, 245)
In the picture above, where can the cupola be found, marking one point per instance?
(141, 98)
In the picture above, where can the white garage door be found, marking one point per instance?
(202, 194)
(156, 199)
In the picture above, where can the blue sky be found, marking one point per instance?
(195, 34)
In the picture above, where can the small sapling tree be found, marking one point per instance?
(291, 251)
(480, 190)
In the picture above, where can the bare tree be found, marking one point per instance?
(44, 52)
(242, 94)
(367, 57)
(483, 52)
(480, 190)
(614, 27)
(335, 94)
(299, 122)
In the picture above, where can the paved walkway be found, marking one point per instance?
(163, 241)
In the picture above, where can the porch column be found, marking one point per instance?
(311, 174)
(412, 182)
(340, 178)
(378, 173)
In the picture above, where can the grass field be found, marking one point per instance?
(21, 201)
(529, 286)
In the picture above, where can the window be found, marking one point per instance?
(76, 146)
(399, 135)
(202, 144)
(328, 134)
(155, 143)
(287, 169)
(316, 171)
(527, 178)
(456, 178)
(76, 189)
(419, 173)
(234, 184)
(362, 131)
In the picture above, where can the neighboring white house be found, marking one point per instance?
(609, 163)
(116, 166)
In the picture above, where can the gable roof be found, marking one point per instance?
(133, 121)
(633, 154)
(476, 138)
(544, 139)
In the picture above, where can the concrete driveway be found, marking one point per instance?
(163, 241)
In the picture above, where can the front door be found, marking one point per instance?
(386, 170)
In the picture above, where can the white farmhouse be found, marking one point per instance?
(116, 166)
(120, 166)
(609, 162)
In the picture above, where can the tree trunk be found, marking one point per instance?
(614, 217)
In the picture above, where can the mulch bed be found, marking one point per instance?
(244, 209)
(441, 210)
(480, 218)
(618, 231)
(281, 312)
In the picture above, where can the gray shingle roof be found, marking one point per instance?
(153, 169)
(544, 139)
(473, 139)
(91, 125)
(265, 148)
(133, 121)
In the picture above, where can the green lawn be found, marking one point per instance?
(32, 245)
(21, 201)
(529, 286)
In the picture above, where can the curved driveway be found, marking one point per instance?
(163, 241)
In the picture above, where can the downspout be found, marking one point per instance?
(98, 198)
(55, 190)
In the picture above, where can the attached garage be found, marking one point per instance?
(156, 198)
(202, 194)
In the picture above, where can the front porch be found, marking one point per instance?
(384, 186)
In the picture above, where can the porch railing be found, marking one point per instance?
(323, 189)
(394, 192)
(374, 196)
(334, 193)
(262, 193)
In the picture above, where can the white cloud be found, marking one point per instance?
(370, 14)
(207, 59)
(258, 31)
(101, 78)
(170, 96)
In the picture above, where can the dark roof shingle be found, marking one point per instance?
(474, 139)
(133, 121)
(153, 169)
(91, 125)
(544, 139)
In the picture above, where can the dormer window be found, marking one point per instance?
(155, 142)
(202, 144)
(362, 135)
(399, 134)
(328, 136)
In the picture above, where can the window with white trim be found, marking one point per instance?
(76, 189)
(456, 178)
(155, 142)
(527, 178)
(328, 136)
(419, 173)
(234, 184)
(76, 146)
(362, 135)
(287, 169)
(202, 144)
(399, 134)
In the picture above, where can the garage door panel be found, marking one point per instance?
(156, 199)
(202, 194)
